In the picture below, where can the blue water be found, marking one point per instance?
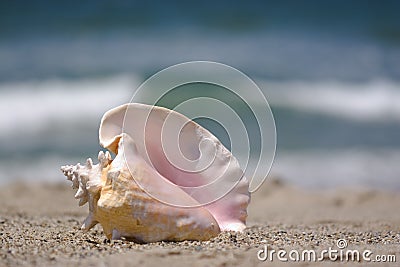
(331, 72)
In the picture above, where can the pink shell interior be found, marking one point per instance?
(173, 144)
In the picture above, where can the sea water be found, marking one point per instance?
(332, 81)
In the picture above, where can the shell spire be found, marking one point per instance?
(87, 179)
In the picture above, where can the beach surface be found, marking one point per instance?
(39, 225)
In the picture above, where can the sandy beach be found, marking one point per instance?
(39, 225)
(305, 91)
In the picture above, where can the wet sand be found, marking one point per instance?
(39, 225)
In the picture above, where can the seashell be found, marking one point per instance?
(170, 180)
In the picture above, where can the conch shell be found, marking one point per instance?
(145, 194)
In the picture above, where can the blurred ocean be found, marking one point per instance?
(330, 71)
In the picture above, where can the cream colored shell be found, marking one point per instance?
(124, 209)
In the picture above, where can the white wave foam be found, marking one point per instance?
(375, 168)
(39, 168)
(31, 106)
(373, 101)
